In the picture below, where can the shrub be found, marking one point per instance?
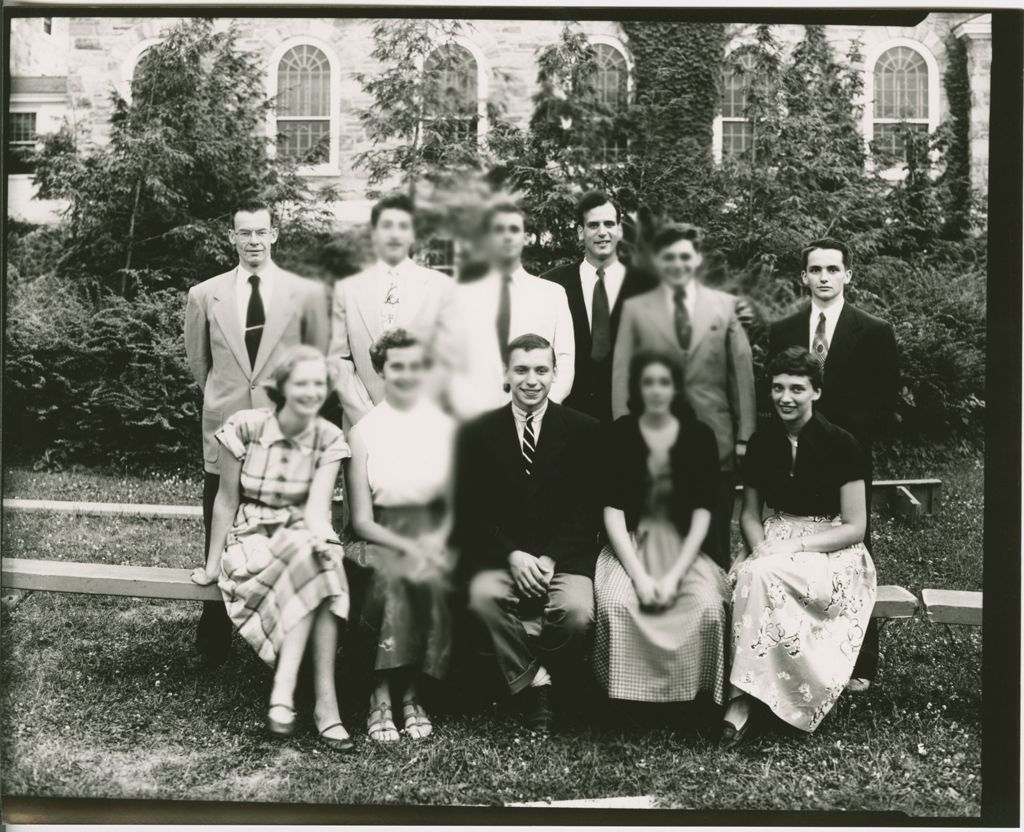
(100, 383)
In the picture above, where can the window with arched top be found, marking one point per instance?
(611, 91)
(304, 105)
(736, 129)
(900, 98)
(141, 63)
(452, 89)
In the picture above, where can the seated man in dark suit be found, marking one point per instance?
(597, 286)
(527, 520)
(858, 355)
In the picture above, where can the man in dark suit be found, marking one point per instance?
(527, 520)
(861, 375)
(597, 287)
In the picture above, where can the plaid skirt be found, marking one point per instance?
(799, 621)
(667, 656)
(271, 577)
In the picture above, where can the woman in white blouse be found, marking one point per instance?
(398, 485)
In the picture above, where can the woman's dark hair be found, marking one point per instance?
(393, 339)
(797, 361)
(669, 235)
(274, 386)
(640, 362)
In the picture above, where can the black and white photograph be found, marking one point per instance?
(520, 408)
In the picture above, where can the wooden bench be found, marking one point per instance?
(175, 584)
(952, 606)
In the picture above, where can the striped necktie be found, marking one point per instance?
(529, 444)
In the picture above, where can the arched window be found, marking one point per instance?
(901, 89)
(304, 105)
(737, 130)
(140, 66)
(611, 90)
(451, 82)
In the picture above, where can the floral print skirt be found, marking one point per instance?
(798, 622)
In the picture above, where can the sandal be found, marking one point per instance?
(341, 744)
(416, 718)
(278, 728)
(381, 724)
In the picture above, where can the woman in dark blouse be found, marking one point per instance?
(661, 603)
(805, 591)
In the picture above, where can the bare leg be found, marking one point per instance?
(286, 674)
(417, 723)
(739, 707)
(325, 647)
(380, 722)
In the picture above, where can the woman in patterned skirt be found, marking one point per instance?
(398, 482)
(804, 593)
(661, 602)
(273, 551)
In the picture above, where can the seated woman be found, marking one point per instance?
(661, 602)
(398, 483)
(805, 591)
(273, 551)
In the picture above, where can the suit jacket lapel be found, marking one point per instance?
(843, 337)
(367, 301)
(549, 447)
(578, 309)
(413, 290)
(703, 314)
(225, 312)
(658, 317)
(508, 446)
(283, 305)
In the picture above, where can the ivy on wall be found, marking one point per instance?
(957, 175)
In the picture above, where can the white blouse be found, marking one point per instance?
(408, 453)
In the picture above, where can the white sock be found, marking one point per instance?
(542, 678)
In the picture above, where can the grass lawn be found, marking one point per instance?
(103, 697)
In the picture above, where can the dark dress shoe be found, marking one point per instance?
(342, 746)
(733, 737)
(537, 712)
(213, 635)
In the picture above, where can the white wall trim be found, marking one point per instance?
(620, 47)
(483, 81)
(331, 167)
(128, 64)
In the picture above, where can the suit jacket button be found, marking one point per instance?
(253, 387)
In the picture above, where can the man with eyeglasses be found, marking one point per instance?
(237, 326)
(700, 326)
(497, 308)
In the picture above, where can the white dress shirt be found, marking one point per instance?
(519, 415)
(690, 301)
(831, 319)
(243, 289)
(614, 275)
(397, 276)
(537, 305)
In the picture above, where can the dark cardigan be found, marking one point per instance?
(694, 464)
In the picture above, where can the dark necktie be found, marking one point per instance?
(601, 324)
(504, 315)
(529, 444)
(682, 318)
(254, 320)
(819, 345)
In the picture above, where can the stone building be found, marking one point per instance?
(66, 67)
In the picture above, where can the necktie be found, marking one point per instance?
(504, 315)
(600, 324)
(682, 318)
(391, 301)
(529, 444)
(819, 344)
(254, 320)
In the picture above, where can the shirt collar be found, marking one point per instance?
(521, 415)
(273, 434)
(831, 314)
(688, 286)
(589, 268)
(266, 276)
(401, 269)
(516, 276)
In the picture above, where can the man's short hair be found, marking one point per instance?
(506, 207)
(669, 235)
(829, 243)
(399, 202)
(591, 200)
(531, 341)
(253, 206)
(797, 361)
(392, 339)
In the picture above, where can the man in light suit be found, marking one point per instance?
(699, 325)
(393, 292)
(596, 289)
(237, 325)
(861, 384)
(497, 308)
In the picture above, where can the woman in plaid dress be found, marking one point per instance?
(273, 551)
(804, 594)
(661, 601)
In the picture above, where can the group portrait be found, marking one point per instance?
(496, 412)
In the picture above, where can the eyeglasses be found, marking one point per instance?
(247, 234)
